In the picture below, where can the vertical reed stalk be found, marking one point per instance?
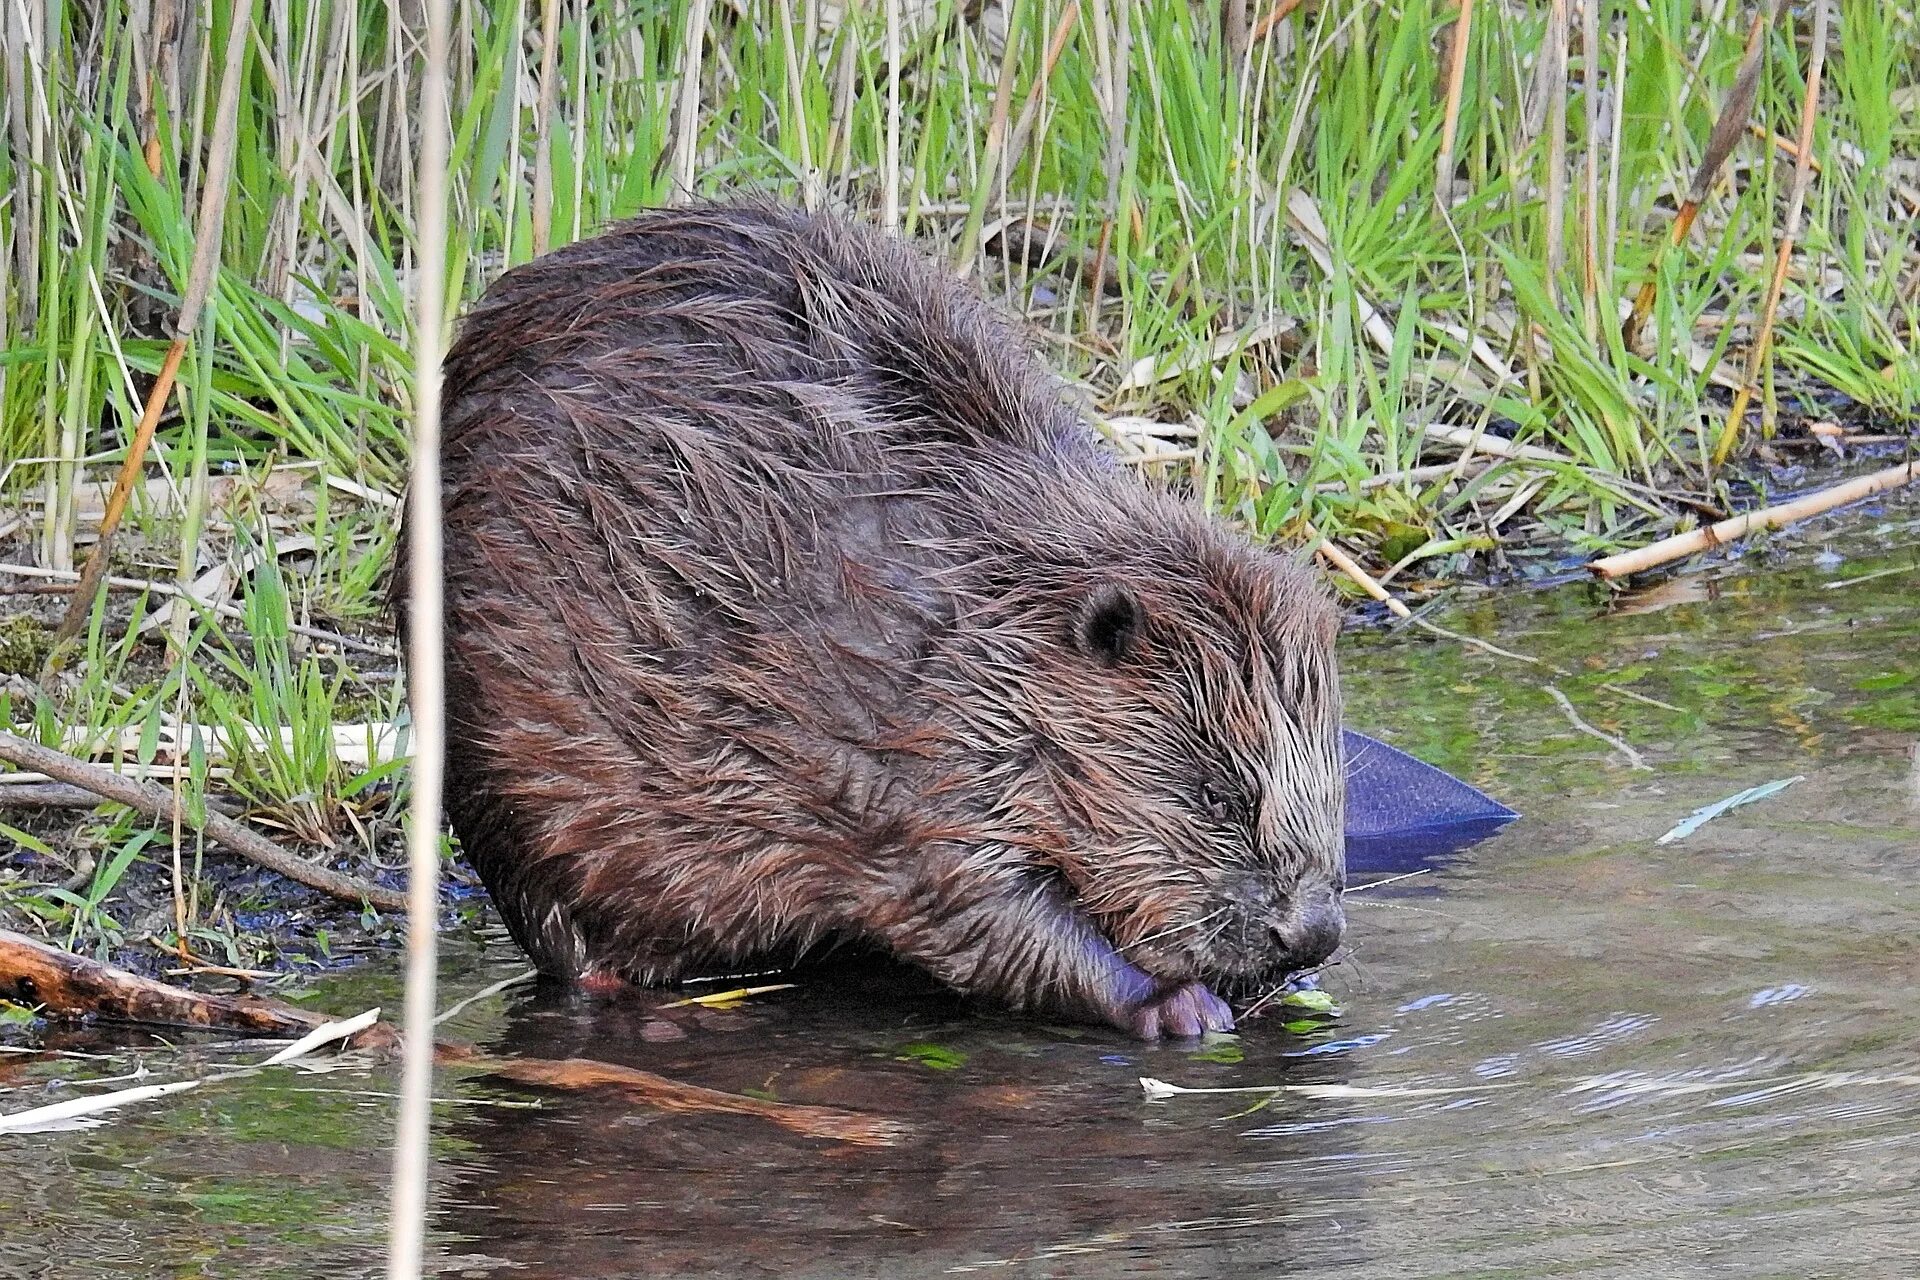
(797, 104)
(992, 170)
(1120, 77)
(890, 172)
(1783, 255)
(687, 114)
(543, 129)
(425, 660)
(1590, 205)
(1553, 56)
(1456, 85)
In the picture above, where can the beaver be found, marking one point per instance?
(791, 602)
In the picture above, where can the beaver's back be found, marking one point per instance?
(708, 479)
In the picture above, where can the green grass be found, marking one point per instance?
(1270, 216)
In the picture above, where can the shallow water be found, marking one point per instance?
(1694, 1059)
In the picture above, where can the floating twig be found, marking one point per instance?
(730, 997)
(60, 1115)
(1160, 1090)
(1634, 758)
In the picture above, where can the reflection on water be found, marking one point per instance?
(1694, 1059)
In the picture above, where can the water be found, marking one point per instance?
(1697, 1059)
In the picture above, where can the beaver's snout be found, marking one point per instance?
(1270, 935)
(1310, 930)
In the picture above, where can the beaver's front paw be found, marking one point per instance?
(1184, 1011)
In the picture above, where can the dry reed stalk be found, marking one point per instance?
(686, 115)
(1783, 256)
(1616, 116)
(542, 212)
(200, 277)
(1062, 31)
(1590, 210)
(796, 97)
(426, 689)
(26, 131)
(1785, 146)
(840, 125)
(992, 174)
(1275, 16)
(162, 33)
(1115, 18)
(1456, 86)
(1554, 78)
(1346, 564)
(1694, 542)
(583, 24)
(890, 172)
(1727, 128)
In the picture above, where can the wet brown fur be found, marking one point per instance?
(789, 600)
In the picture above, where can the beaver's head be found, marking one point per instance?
(1178, 759)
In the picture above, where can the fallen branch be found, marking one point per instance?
(60, 1115)
(1682, 545)
(67, 986)
(59, 795)
(160, 805)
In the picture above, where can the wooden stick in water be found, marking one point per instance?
(1686, 544)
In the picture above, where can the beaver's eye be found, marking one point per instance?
(1218, 803)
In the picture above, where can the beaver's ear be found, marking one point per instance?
(1109, 624)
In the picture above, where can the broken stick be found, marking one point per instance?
(158, 803)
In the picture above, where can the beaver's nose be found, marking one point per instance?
(1311, 929)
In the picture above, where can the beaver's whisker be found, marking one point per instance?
(1172, 930)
